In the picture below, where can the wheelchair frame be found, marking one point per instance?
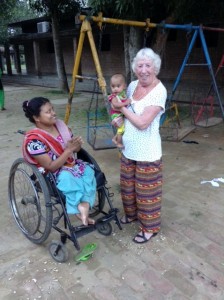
(38, 206)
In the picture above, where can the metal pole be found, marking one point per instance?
(211, 69)
(75, 70)
(169, 99)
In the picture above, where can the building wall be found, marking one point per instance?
(47, 55)
(29, 57)
(174, 53)
(112, 58)
(69, 53)
(111, 61)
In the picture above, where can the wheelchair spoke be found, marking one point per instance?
(28, 196)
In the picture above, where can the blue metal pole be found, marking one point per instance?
(169, 99)
(188, 27)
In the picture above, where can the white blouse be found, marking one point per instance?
(144, 145)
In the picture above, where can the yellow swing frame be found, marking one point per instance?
(87, 29)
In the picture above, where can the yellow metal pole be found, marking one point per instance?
(101, 80)
(101, 19)
(75, 70)
(86, 27)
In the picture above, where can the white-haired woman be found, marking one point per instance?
(141, 159)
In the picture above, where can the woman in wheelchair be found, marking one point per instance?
(52, 148)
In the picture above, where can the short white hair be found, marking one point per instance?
(147, 53)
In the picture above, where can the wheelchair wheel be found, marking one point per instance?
(58, 251)
(105, 229)
(101, 192)
(30, 201)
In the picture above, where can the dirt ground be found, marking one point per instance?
(185, 261)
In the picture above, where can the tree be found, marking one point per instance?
(11, 11)
(170, 11)
(6, 7)
(57, 10)
(130, 10)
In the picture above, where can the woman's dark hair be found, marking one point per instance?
(33, 107)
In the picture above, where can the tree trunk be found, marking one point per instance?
(126, 34)
(161, 38)
(132, 44)
(63, 83)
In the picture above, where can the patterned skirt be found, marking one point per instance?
(141, 192)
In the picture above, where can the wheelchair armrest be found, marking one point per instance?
(100, 176)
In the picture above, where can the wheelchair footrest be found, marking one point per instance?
(83, 230)
(112, 214)
(106, 218)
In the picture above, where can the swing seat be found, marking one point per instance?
(203, 112)
(171, 113)
(170, 126)
(99, 136)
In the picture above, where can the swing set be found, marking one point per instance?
(208, 100)
(204, 115)
(93, 127)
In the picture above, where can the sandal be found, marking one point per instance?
(143, 237)
(126, 220)
(86, 252)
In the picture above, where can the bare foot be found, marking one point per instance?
(84, 212)
(114, 140)
(120, 146)
(90, 220)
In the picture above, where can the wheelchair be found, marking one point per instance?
(38, 206)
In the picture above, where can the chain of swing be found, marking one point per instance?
(96, 113)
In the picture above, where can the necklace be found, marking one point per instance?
(140, 92)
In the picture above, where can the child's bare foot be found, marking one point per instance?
(114, 140)
(84, 212)
(120, 146)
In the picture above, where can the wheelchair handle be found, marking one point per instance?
(21, 131)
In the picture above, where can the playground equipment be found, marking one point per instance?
(170, 106)
(104, 142)
(203, 110)
(207, 103)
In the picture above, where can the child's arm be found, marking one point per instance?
(116, 102)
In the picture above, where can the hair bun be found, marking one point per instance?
(25, 105)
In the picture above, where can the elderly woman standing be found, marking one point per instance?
(141, 160)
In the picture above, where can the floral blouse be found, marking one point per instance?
(37, 147)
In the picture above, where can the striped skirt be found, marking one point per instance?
(141, 192)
